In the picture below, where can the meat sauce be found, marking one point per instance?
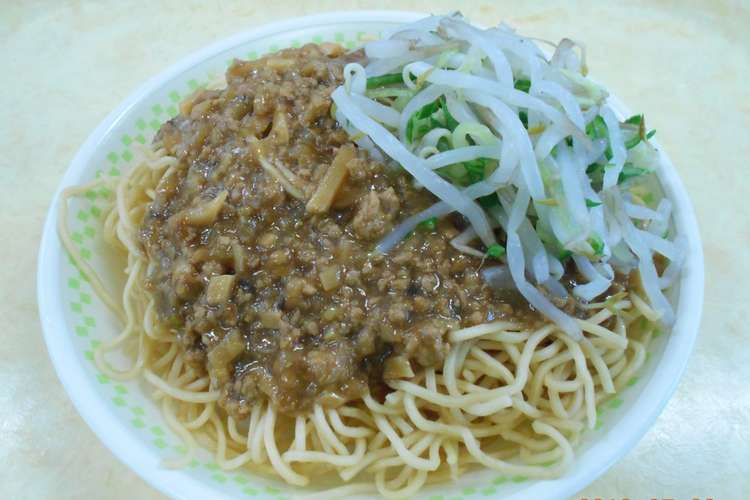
(275, 300)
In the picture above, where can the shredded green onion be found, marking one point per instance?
(597, 129)
(594, 168)
(633, 142)
(383, 80)
(450, 122)
(428, 109)
(640, 121)
(428, 225)
(592, 203)
(475, 169)
(629, 171)
(422, 121)
(491, 200)
(524, 117)
(523, 85)
(635, 120)
(597, 244)
(564, 254)
(495, 251)
(443, 144)
(429, 117)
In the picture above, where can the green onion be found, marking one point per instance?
(383, 80)
(411, 125)
(428, 225)
(524, 117)
(635, 120)
(443, 144)
(434, 122)
(592, 203)
(595, 171)
(564, 254)
(470, 172)
(450, 122)
(457, 171)
(422, 121)
(633, 142)
(410, 129)
(597, 129)
(597, 244)
(475, 169)
(495, 251)
(523, 85)
(424, 126)
(629, 171)
(428, 109)
(594, 167)
(491, 200)
(642, 135)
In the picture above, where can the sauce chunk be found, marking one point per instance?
(261, 244)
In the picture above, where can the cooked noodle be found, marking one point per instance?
(506, 398)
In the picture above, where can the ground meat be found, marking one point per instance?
(271, 300)
(426, 341)
(375, 213)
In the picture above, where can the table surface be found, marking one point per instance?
(66, 64)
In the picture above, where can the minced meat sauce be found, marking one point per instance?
(277, 299)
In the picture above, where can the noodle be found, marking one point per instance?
(506, 398)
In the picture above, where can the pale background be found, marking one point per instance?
(65, 65)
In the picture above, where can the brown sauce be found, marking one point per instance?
(273, 301)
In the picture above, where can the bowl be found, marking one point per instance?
(122, 414)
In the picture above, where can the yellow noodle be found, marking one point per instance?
(506, 397)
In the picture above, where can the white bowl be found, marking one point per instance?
(123, 415)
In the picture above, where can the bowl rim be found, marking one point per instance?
(647, 406)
